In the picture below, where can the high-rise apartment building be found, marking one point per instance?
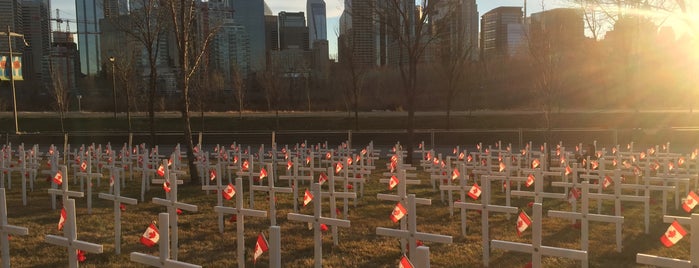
(88, 14)
(230, 48)
(293, 33)
(250, 15)
(561, 29)
(37, 32)
(456, 26)
(317, 21)
(360, 38)
(502, 32)
(11, 16)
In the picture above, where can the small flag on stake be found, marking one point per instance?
(151, 236)
(261, 246)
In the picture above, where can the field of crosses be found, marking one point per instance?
(341, 205)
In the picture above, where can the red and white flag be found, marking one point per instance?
(261, 246)
(502, 166)
(475, 191)
(461, 156)
(322, 178)
(607, 182)
(338, 167)
(111, 181)
(212, 174)
(530, 180)
(151, 236)
(307, 198)
(455, 174)
(536, 163)
(246, 165)
(469, 158)
(308, 160)
(594, 164)
(58, 178)
(166, 186)
(690, 201)
(393, 182)
(62, 219)
(673, 234)
(161, 170)
(229, 192)
(568, 171)
(263, 173)
(398, 212)
(573, 194)
(405, 263)
(83, 166)
(289, 164)
(523, 222)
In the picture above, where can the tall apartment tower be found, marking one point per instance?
(37, 32)
(561, 29)
(10, 16)
(293, 33)
(502, 32)
(88, 14)
(250, 14)
(359, 39)
(455, 22)
(317, 21)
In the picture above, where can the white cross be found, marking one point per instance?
(219, 188)
(117, 199)
(70, 237)
(461, 187)
(331, 194)
(272, 190)
(53, 162)
(294, 178)
(240, 213)
(535, 248)
(693, 261)
(484, 207)
(316, 220)
(6, 229)
(411, 234)
(402, 197)
(538, 192)
(64, 192)
(172, 205)
(163, 259)
(585, 217)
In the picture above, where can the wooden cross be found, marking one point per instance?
(163, 259)
(172, 205)
(6, 230)
(411, 234)
(536, 248)
(294, 178)
(146, 172)
(538, 192)
(331, 194)
(485, 208)
(53, 163)
(402, 197)
(316, 220)
(219, 188)
(118, 200)
(240, 213)
(69, 240)
(272, 190)
(693, 261)
(461, 187)
(64, 192)
(617, 197)
(585, 217)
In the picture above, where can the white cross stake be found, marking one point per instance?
(402, 197)
(331, 194)
(536, 249)
(294, 179)
(272, 190)
(693, 261)
(240, 213)
(316, 220)
(412, 234)
(6, 229)
(172, 205)
(70, 237)
(163, 260)
(219, 188)
(64, 192)
(118, 200)
(484, 207)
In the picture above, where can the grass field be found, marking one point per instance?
(201, 243)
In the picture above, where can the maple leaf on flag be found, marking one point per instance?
(83, 166)
(535, 163)
(166, 187)
(212, 174)
(523, 222)
(307, 197)
(398, 212)
(461, 156)
(530, 180)
(246, 165)
(338, 167)
(322, 178)
(673, 234)
(261, 246)
(469, 158)
(475, 191)
(690, 202)
(151, 236)
(81, 256)
(62, 219)
(393, 182)
(405, 263)
(161, 171)
(229, 192)
(58, 178)
(263, 173)
(289, 164)
(607, 181)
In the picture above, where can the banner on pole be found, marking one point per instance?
(4, 72)
(17, 68)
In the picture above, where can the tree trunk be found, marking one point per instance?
(152, 85)
(193, 173)
(448, 113)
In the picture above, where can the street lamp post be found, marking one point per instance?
(112, 60)
(79, 107)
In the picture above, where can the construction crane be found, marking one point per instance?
(60, 20)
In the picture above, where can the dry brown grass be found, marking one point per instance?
(201, 243)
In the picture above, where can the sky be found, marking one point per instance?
(334, 10)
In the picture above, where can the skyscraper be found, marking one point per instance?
(359, 39)
(37, 33)
(88, 14)
(293, 33)
(317, 23)
(250, 15)
(502, 32)
(10, 16)
(456, 24)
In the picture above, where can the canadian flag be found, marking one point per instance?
(307, 198)
(161, 171)
(573, 195)
(469, 158)
(393, 182)
(349, 160)
(322, 178)
(246, 165)
(536, 163)
(289, 164)
(405, 263)
(58, 178)
(680, 161)
(338, 167)
(475, 191)
(83, 166)
(328, 155)
(568, 170)
(111, 181)
(166, 186)
(398, 212)
(308, 160)
(673, 234)
(212, 174)
(62, 219)
(530, 180)
(261, 246)
(263, 173)
(151, 236)
(523, 222)
(690, 201)
(455, 174)
(393, 166)
(235, 159)
(502, 166)
(229, 192)
(461, 156)
(594, 164)
(607, 181)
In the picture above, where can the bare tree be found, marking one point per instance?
(352, 74)
(125, 71)
(271, 81)
(191, 48)
(59, 92)
(238, 83)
